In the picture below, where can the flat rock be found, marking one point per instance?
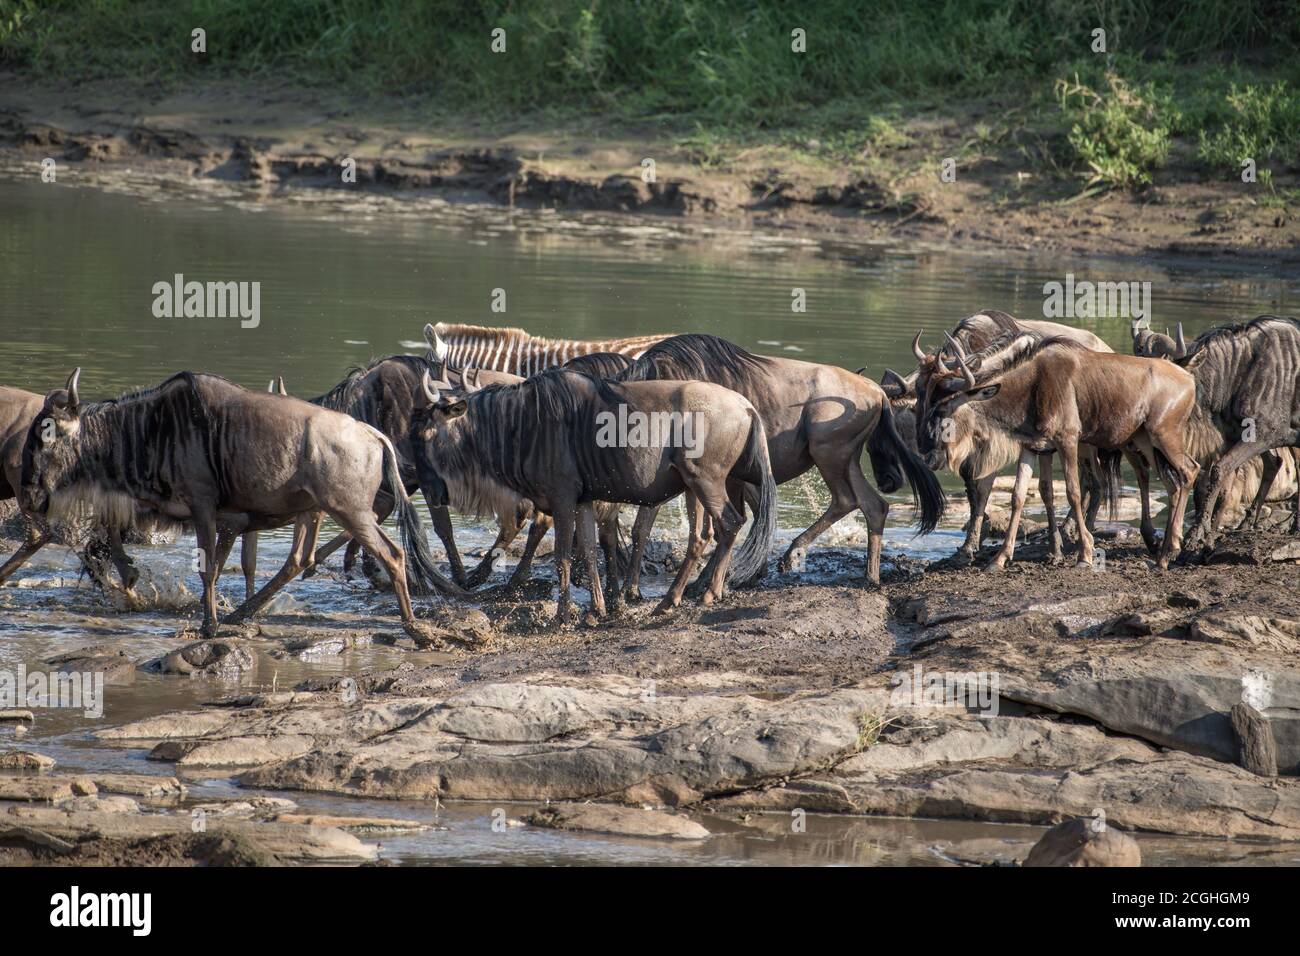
(621, 821)
(139, 785)
(222, 657)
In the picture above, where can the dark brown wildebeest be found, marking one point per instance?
(515, 351)
(992, 335)
(1260, 478)
(814, 416)
(1248, 403)
(18, 409)
(549, 439)
(472, 493)
(200, 448)
(1057, 395)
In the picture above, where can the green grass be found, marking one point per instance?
(724, 70)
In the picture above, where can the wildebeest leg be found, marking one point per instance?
(728, 515)
(607, 531)
(587, 548)
(641, 527)
(126, 570)
(564, 518)
(1047, 491)
(536, 532)
(324, 552)
(225, 544)
(508, 529)
(205, 531)
(1237, 455)
(977, 496)
(694, 548)
(843, 500)
(1096, 484)
(35, 541)
(1272, 461)
(248, 562)
(305, 530)
(1143, 473)
(1180, 478)
(1024, 471)
(441, 518)
(875, 509)
(1069, 449)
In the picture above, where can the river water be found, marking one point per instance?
(346, 279)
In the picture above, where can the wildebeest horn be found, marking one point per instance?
(957, 348)
(73, 398)
(916, 348)
(1182, 342)
(430, 392)
(966, 372)
(893, 385)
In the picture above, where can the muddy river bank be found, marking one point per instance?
(799, 722)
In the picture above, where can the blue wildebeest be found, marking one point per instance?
(814, 416)
(986, 336)
(1248, 403)
(543, 439)
(201, 449)
(473, 493)
(18, 409)
(1055, 396)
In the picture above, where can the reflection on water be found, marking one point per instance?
(343, 281)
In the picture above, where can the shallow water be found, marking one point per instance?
(347, 279)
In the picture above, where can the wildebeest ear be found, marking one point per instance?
(893, 384)
(455, 409)
(1193, 360)
(984, 391)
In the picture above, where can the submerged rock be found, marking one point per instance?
(621, 821)
(1084, 842)
(215, 658)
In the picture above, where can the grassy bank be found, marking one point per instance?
(1223, 76)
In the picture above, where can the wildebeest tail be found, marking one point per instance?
(421, 575)
(1110, 477)
(750, 560)
(885, 441)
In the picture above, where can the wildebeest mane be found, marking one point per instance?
(698, 357)
(600, 364)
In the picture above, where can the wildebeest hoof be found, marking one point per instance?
(590, 619)
(664, 607)
(997, 564)
(963, 557)
(423, 635)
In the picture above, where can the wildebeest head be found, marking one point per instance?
(426, 421)
(50, 450)
(1149, 344)
(945, 429)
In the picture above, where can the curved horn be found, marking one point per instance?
(916, 348)
(73, 398)
(430, 392)
(957, 348)
(966, 373)
(1182, 342)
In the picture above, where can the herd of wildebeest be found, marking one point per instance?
(499, 422)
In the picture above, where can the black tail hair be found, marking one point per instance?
(1110, 476)
(750, 560)
(926, 492)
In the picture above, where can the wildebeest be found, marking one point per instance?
(547, 438)
(1248, 402)
(1056, 395)
(989, 335)
(18, 409)
(814, 416)
(514, 350)
(1151, 344)
(200, 448)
